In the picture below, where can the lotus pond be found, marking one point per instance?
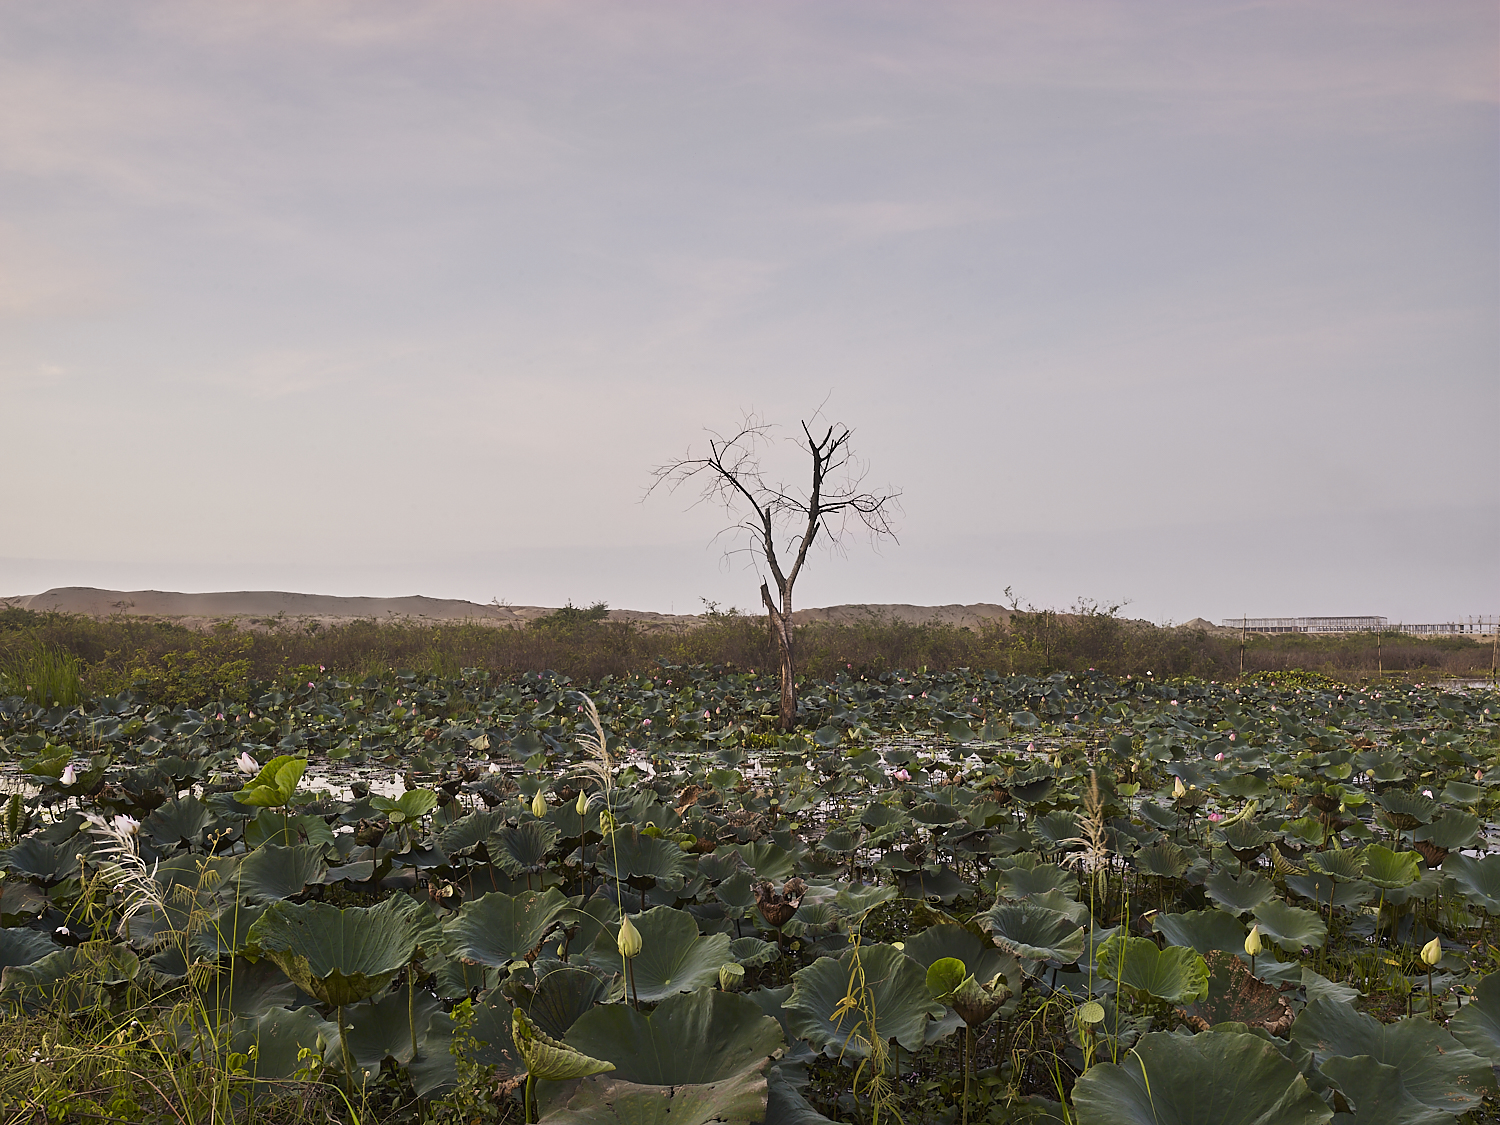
(957, 896)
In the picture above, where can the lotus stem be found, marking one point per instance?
(526, 1097)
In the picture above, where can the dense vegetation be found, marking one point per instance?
(457, 897)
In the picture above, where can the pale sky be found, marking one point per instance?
(1188, 305)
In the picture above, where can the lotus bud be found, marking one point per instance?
(538, 805)
(1252, 941)
(246, 764)
(731, 976)
(1179, 790)
(629, 941)
(1432, 952)
(582, 804)
(69, 776)
(606, 822)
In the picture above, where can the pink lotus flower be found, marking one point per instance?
(1231, 736)
(1219, 757)
(645, 722)
(901, 775)
(1215, 817)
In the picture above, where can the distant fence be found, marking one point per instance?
(1469, 625)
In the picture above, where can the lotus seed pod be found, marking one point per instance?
(629, 941)
(1252, 941)
(538, 805)
(1432, 952)
(731, 976)
(1179, 790)
(582, 804)
(1091, 1013)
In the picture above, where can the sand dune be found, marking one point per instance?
(265, 608)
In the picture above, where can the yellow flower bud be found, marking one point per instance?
(1432, 952)
(1252, 941)
(583, 804)
(538, 805)
(1179, 789)
(629, 941)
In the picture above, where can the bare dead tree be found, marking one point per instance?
(782, 522)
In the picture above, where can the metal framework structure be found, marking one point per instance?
(1469, 625)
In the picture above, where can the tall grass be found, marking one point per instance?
(53, 658)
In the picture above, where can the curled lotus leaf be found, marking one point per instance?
(944, 976)
(1342, 866)
(1407, 810)
(1390, 870)
(338, 956)
(1164, 859)
(275, 783)
(1176, 974)
(1478, 879)
(1223, 1077)
(1454, 829)
(1239, 895)
(1290, 927)
(834, 1002)
(522, 849)
(1436, 1069)
(1033, 932)
(548, 1058)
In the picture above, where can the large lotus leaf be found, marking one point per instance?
(785, 1104)
(673, 957)
(68, 973)
(549, 1058)
(1406, 807)
(739, 1099)
(752, 953)
(411, 805)
(1221, 1077)
(1478, 879)
(270, 872)
(562, 995)
(22, 947)
(1477, 1024)
(1203, 930)
(338, 956)
(1323, 889)
(768, 860)
(46, 863)
(634, 855)
(242, 989)
(1389, 870)
(936, 884)
(1289, 926)
(1021, 882)
(522, 849)
(1453, 830)
(1343, 865)
(980, 956)
(495, 929)
(1435, 1068)
(691, 1038)
(1158, 817)
(179, 821)
(383, 1027)
(885, 983)
(464, 835)
(1240, 895)
(1059, 828)
(275, 783)
(1378, 1095)
(1164, 859)
(278, 1036)
(492, 1030)
(271, 824)
(1176, 974)
(1032, 932)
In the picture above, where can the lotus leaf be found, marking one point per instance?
(271, 872)
(1477, 1024)
(338, 956)
(275, 783)
(934, 884)
(1325, 890)
(739, 1099)
(522, 849)
(411, 805)
(1033, 932)
(549, 1058)
(1158, 817)
(1234, 996)
(23, 947)
(1389, 870)
(1176, 974)
(383, 1027)
(1343, 866)
(1203, 930)
(752, 953)
(1453, 830)
(1240, 895)
(1289, 926)
(278, 1037)
(1164, 859)
(69, 972)
(1407, 810)
(560, 995)
(1378, 1095)
(856, 901)
(1461, 792)
(944, 976)
(640, 859)
(1478, 879)
(1435, 1068)
(1058, 828)
(885, 982)
(768, 860)
(464, 835)
(46, 863)
(673, 957)
(496, 929)
(1220, 1077)
(690, 1039)
(179, 821)
(1019, 882)
(979, 954)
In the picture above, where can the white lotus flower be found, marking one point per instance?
(70, 776)
(247, 764)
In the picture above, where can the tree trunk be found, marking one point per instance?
(781, 630)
